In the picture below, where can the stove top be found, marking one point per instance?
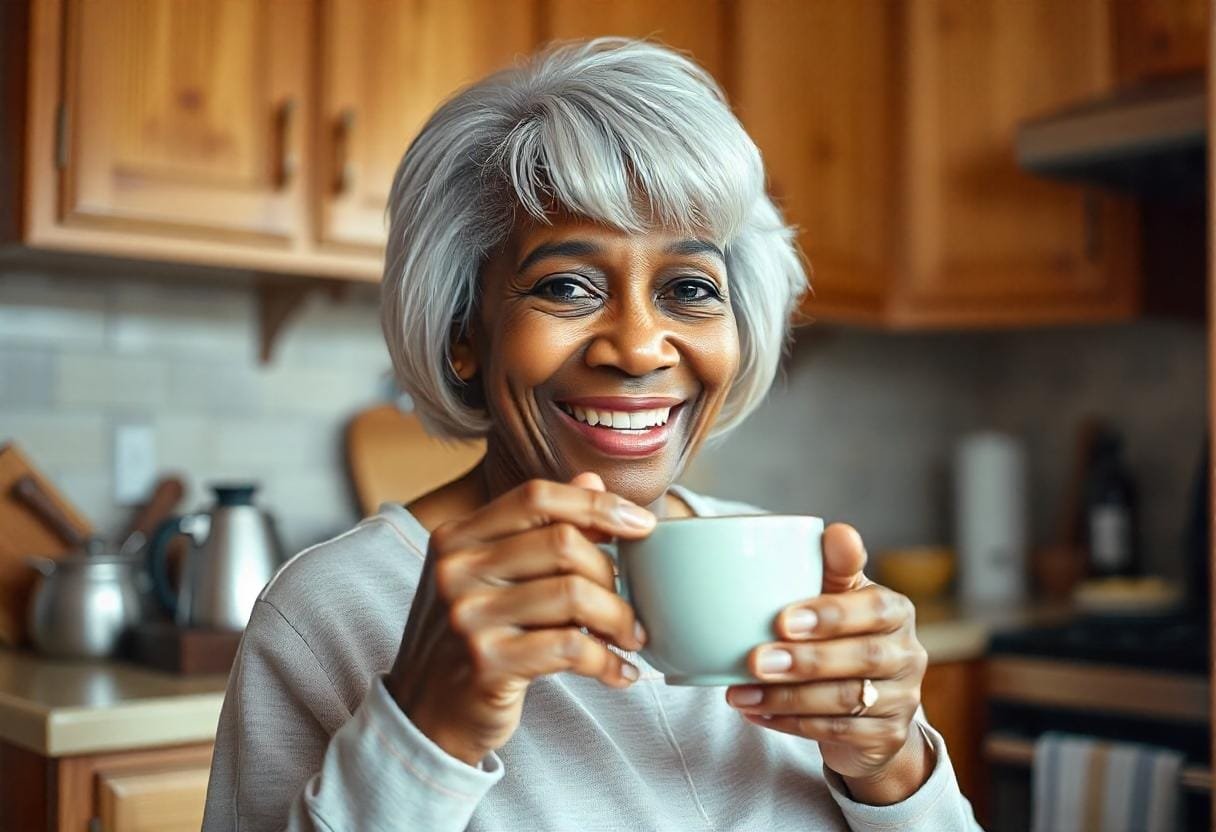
(1175, 642)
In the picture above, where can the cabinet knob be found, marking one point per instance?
(1093, 226)
(285, 159)
(344, 170)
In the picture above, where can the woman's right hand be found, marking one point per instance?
(502, 597)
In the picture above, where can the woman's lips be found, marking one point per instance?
(620, 442)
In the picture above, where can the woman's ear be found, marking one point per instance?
(464, 360)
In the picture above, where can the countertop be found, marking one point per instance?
(60, 708)
(952, 631)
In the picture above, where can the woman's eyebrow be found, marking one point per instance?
(566, 248)
(693, 247)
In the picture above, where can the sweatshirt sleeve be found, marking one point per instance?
(937, 806)
(290, 755)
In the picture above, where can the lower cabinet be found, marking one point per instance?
(156, 790)
(953, 697)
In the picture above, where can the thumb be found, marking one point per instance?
(589, 480)
(844, 559)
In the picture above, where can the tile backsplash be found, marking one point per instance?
(81, 356)
(859, 427)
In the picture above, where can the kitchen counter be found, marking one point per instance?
(60, 708)
(952, 631)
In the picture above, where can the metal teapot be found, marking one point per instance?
(83, 604)
(236, 551)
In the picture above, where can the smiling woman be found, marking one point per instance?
(584, 269)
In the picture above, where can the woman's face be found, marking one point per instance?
(603, 351)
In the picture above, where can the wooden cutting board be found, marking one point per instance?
(391, 458)
(22, 534)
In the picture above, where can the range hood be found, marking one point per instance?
(1149, 140)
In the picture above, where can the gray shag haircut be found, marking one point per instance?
(623, 132)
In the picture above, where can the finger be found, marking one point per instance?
(835, 698)
(540, 652)
(592, 482)
(538, 503)
(854, 730)
(874, 609)
(589, 480)
(558, 549)
(549, 602)
(875, 656)
(844, 558)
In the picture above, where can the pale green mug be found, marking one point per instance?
(708, 589)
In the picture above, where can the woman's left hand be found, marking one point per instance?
(812, 681)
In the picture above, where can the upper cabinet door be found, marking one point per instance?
(186, 117)
(992, 242)
(695, 26)
(815, 84)
(1159, 37)
(385, 66)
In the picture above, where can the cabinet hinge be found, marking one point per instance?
(61, 136)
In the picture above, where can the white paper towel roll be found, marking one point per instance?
(990, 517)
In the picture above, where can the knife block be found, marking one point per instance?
(186, 651)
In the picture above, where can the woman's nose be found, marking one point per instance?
(636, 343)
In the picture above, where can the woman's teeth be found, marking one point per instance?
(619, 419)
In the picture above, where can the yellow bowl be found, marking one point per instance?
(920, 572)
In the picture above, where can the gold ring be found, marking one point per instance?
(869, 695)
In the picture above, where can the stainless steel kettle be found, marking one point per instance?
(236, 551)
(83, 604)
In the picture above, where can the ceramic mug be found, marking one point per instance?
(708, 589)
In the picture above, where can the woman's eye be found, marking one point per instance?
(564, 288)
(692, 291)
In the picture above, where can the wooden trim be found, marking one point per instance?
(1116, 689)
(14, 66)
(1211, 288)
(27, 790)
(277, 304)
(1010, 749)
(43, 96)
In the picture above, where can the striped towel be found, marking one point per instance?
(1083, 784)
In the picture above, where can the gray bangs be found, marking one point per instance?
(669, 154)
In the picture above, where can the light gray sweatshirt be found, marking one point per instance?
(309, 738)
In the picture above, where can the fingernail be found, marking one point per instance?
(634, 516)
(639, 632)
(747, 696)
(800, 622)
(629, 672)
(775, 661)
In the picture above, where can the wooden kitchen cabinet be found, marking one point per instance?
(385, 66)
(147, 790)
(888, 131)
(699, 27)
(167, 130)
(953, 696)
(263, 136)
(184, 118)
(1156, 38)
